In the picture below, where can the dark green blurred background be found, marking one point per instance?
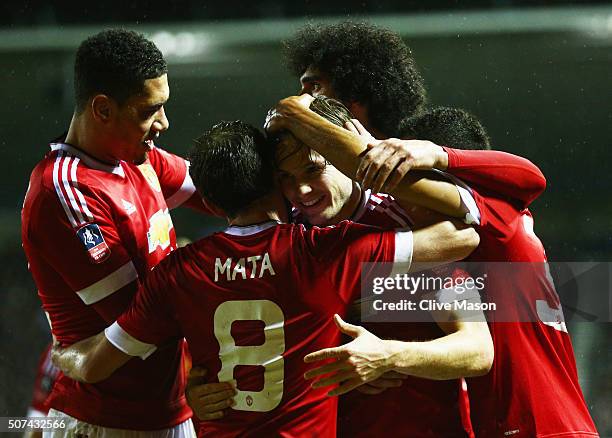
(539, 79)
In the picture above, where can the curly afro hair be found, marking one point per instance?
(115, 62)
(365, 64)
(453, 127)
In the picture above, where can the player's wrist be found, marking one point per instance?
(293, 109)
(441, 161)
(396, 360)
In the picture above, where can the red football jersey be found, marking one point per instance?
(90, 232)
(503, 173)
(252, 302)
(532, 389)
(506, 175)
(46, 374)
(420, 407)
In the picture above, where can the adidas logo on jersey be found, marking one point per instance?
(128, 207)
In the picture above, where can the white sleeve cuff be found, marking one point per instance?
(472, 213)
(402, 259)
(184, 192)
(127, 343)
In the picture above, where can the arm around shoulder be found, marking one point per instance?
(91, 360)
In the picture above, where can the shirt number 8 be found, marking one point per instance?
(269, 354)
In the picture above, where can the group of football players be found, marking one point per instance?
(355, 169)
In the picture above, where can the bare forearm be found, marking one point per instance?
(428, 190)
(339, 146)
(443, 242)
(450, 357)
(73, 360)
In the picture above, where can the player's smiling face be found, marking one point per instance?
(140, 120)
(320, 191)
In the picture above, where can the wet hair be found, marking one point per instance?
(231, 165)
(331, 109)
(115, 62)
(453, 127)
(366, 64)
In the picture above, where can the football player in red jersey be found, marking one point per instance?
(529, 355)
(538, 330)
(252, 300)
(433, 407)
(349, 61)
(305, 176)
(96, 220)
(340, 60)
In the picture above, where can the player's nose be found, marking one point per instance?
(161, 122)
(303, 189)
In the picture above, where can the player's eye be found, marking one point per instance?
(283, 175)
(147, 114)
(314, 169)
(150, 112)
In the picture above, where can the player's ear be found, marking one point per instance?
(359, 112)
(102, 107)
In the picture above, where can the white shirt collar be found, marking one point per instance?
(249, 230)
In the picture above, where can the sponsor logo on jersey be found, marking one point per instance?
(158, 235)
(149, 173)
(128, 207)
(91, 237)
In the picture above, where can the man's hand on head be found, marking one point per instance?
(209, 401)
(388, 161)
(279, 118)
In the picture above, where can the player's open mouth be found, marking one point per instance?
(312, 204)
(148, 144)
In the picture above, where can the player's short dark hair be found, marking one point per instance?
(453, 127)
(330, 109)
(115, 62)
(364, 63)
(231, 165)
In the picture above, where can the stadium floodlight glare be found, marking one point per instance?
(178, 46)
